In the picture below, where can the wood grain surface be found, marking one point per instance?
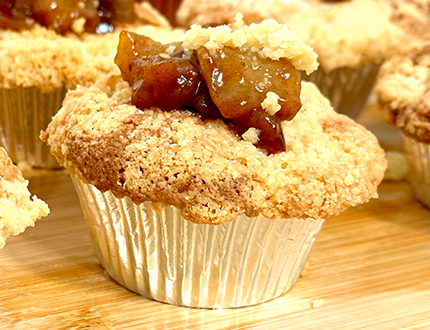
(369, 269)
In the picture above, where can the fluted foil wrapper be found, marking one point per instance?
(348, 89)
(418, 154)
(24, 113)
(150, 249)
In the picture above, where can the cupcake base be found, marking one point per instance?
(347, 88)
(418, 154)
(150, 249)
(24, 113)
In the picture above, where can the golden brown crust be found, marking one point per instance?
(403, 90)
(207, 171)
(342, 33)
(17, 210)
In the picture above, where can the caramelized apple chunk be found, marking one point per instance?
(60, 15)
(131, 46)
(152, 74)
(166, 83)
(15, 17)
(240, 81)
(226, 83)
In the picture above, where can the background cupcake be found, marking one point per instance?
(404, 94)
(351, 38)
(44, 52)
(182, 208)
(18, 210)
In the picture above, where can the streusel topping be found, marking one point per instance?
(403, 89)
(207, 171)
(342, 33)
(246, 75)
(39, 57)
(18, 210)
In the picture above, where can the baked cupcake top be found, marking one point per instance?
(42, 58)
(201, 165)
(18, 210)
(210, 173)
(403, 89)
(342, 33)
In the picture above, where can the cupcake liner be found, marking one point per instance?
(347, 88)
(150, 249)
(24, 113)
(418, 154)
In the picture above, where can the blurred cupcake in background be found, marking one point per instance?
(351, 38)
(18, 209)
(403, 91)
(48, 47)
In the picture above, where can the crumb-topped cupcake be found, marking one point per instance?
(18, 210)
(403, 90)
(45, 50)
(351, 38)
(208, 186)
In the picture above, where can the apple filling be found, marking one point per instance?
(99, 16)
(242, 88)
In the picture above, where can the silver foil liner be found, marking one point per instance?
(24, 113)
(150, 249)
(418, 154)
(347, 88)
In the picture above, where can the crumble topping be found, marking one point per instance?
(252, 135)
(270, 103)
(212, 73)
(335, 30)
(403, 90)
(40, 57)
(207, 171)
(18, 210)
(44, 59)
(269, 39)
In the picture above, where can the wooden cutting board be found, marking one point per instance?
(369, 269)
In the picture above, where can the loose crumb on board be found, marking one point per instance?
(317, 303)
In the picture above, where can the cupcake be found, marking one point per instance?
(44, 52)
(18, 210)
(351, 38)
(207, 185)
(403, 90)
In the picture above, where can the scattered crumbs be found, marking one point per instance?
(397, 166)
(78, 25)
(252, 135)
(317, 303)
(270, 103)
(170, 50)
(349, 179)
